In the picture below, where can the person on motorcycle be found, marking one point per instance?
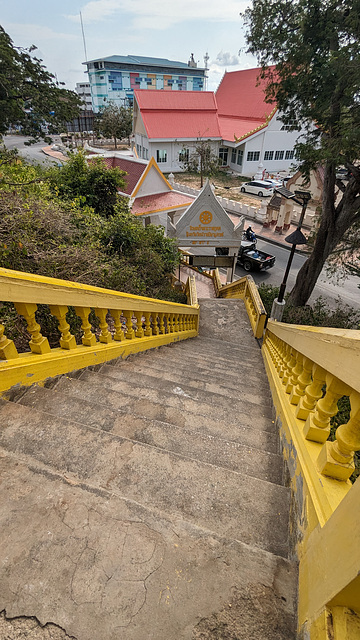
(250, 235)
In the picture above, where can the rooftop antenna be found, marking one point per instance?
(83, 35)
(206, 60)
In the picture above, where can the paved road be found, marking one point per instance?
(32, 153)
(347, 291)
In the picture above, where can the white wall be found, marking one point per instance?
(172, 149)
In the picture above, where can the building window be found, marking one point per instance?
(233, 156)
(161, 155)
(240, 157)
(252, 156)
(291, 126)
(268, 155)
(289, 155)
(184, 155)
(138, 149)
(223, 156)
(279, 155)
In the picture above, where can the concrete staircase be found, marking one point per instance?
(144, 499)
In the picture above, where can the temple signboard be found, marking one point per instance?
(205, 223)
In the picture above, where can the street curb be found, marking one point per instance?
(286, 246)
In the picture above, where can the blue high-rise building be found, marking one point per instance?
(114, 79)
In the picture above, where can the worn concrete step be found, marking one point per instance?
(146, 381)
(212, 351)
(178, 399)
(202, 344)
(227, 373)
(225, 319)
(199, 379)
(245, 458)
(228, 503)
(60, 402)
(144, 406)
(106, 568)
(210, 362)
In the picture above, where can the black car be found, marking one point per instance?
(249, 257)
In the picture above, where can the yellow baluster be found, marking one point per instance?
(148, 330)
(336, 459)
(304, 380)
(119, 334)
(290, 364)
(295, 373)
(67, 340)
(88, 339)
(130, 333)
(317, 425)
(284, 350)
(155, 326)
(313, 392)
(181, 322)
(139, 328)
(171, 323)
(176, 322)
(105, 335)
(38, 344)
(7, 347)
(161, 323)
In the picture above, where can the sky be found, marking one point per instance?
(170, 29)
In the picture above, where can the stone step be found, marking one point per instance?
(235, 367)
(106, 568)
(198, 378)
(178, 398)
(211, 351)
(225, 423)
(228, 503)
(227, 320)
(134, 380)
(259, 461)
(195, 371)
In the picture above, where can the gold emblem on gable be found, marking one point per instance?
(205, 217)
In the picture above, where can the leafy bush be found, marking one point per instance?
(319, 314)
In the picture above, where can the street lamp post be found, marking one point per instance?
(297, 237)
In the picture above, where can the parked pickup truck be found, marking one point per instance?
(249, 257)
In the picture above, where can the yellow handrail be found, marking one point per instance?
(309, 370)
(127, 324)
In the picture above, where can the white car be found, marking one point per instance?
(258, 188)
(274, 183)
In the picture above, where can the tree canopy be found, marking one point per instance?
(114, 122)
(29, 95)
(314, 46)
(91, 184)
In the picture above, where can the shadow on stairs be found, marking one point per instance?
(144, 499)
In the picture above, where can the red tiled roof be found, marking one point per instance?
(178, 114)
(240, 94)
(160, 202)
(134, 170)
(238, 127)
(173, 124)
(175, 100)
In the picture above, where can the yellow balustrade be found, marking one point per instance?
(126, 324)
(246, 289)
(309, 370)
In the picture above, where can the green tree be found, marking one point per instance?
(90, 184)
(315, 47)
(115, 122)
(202, 160)
(29, 95)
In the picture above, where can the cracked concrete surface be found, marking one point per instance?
(109, 569)
(105, 537)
